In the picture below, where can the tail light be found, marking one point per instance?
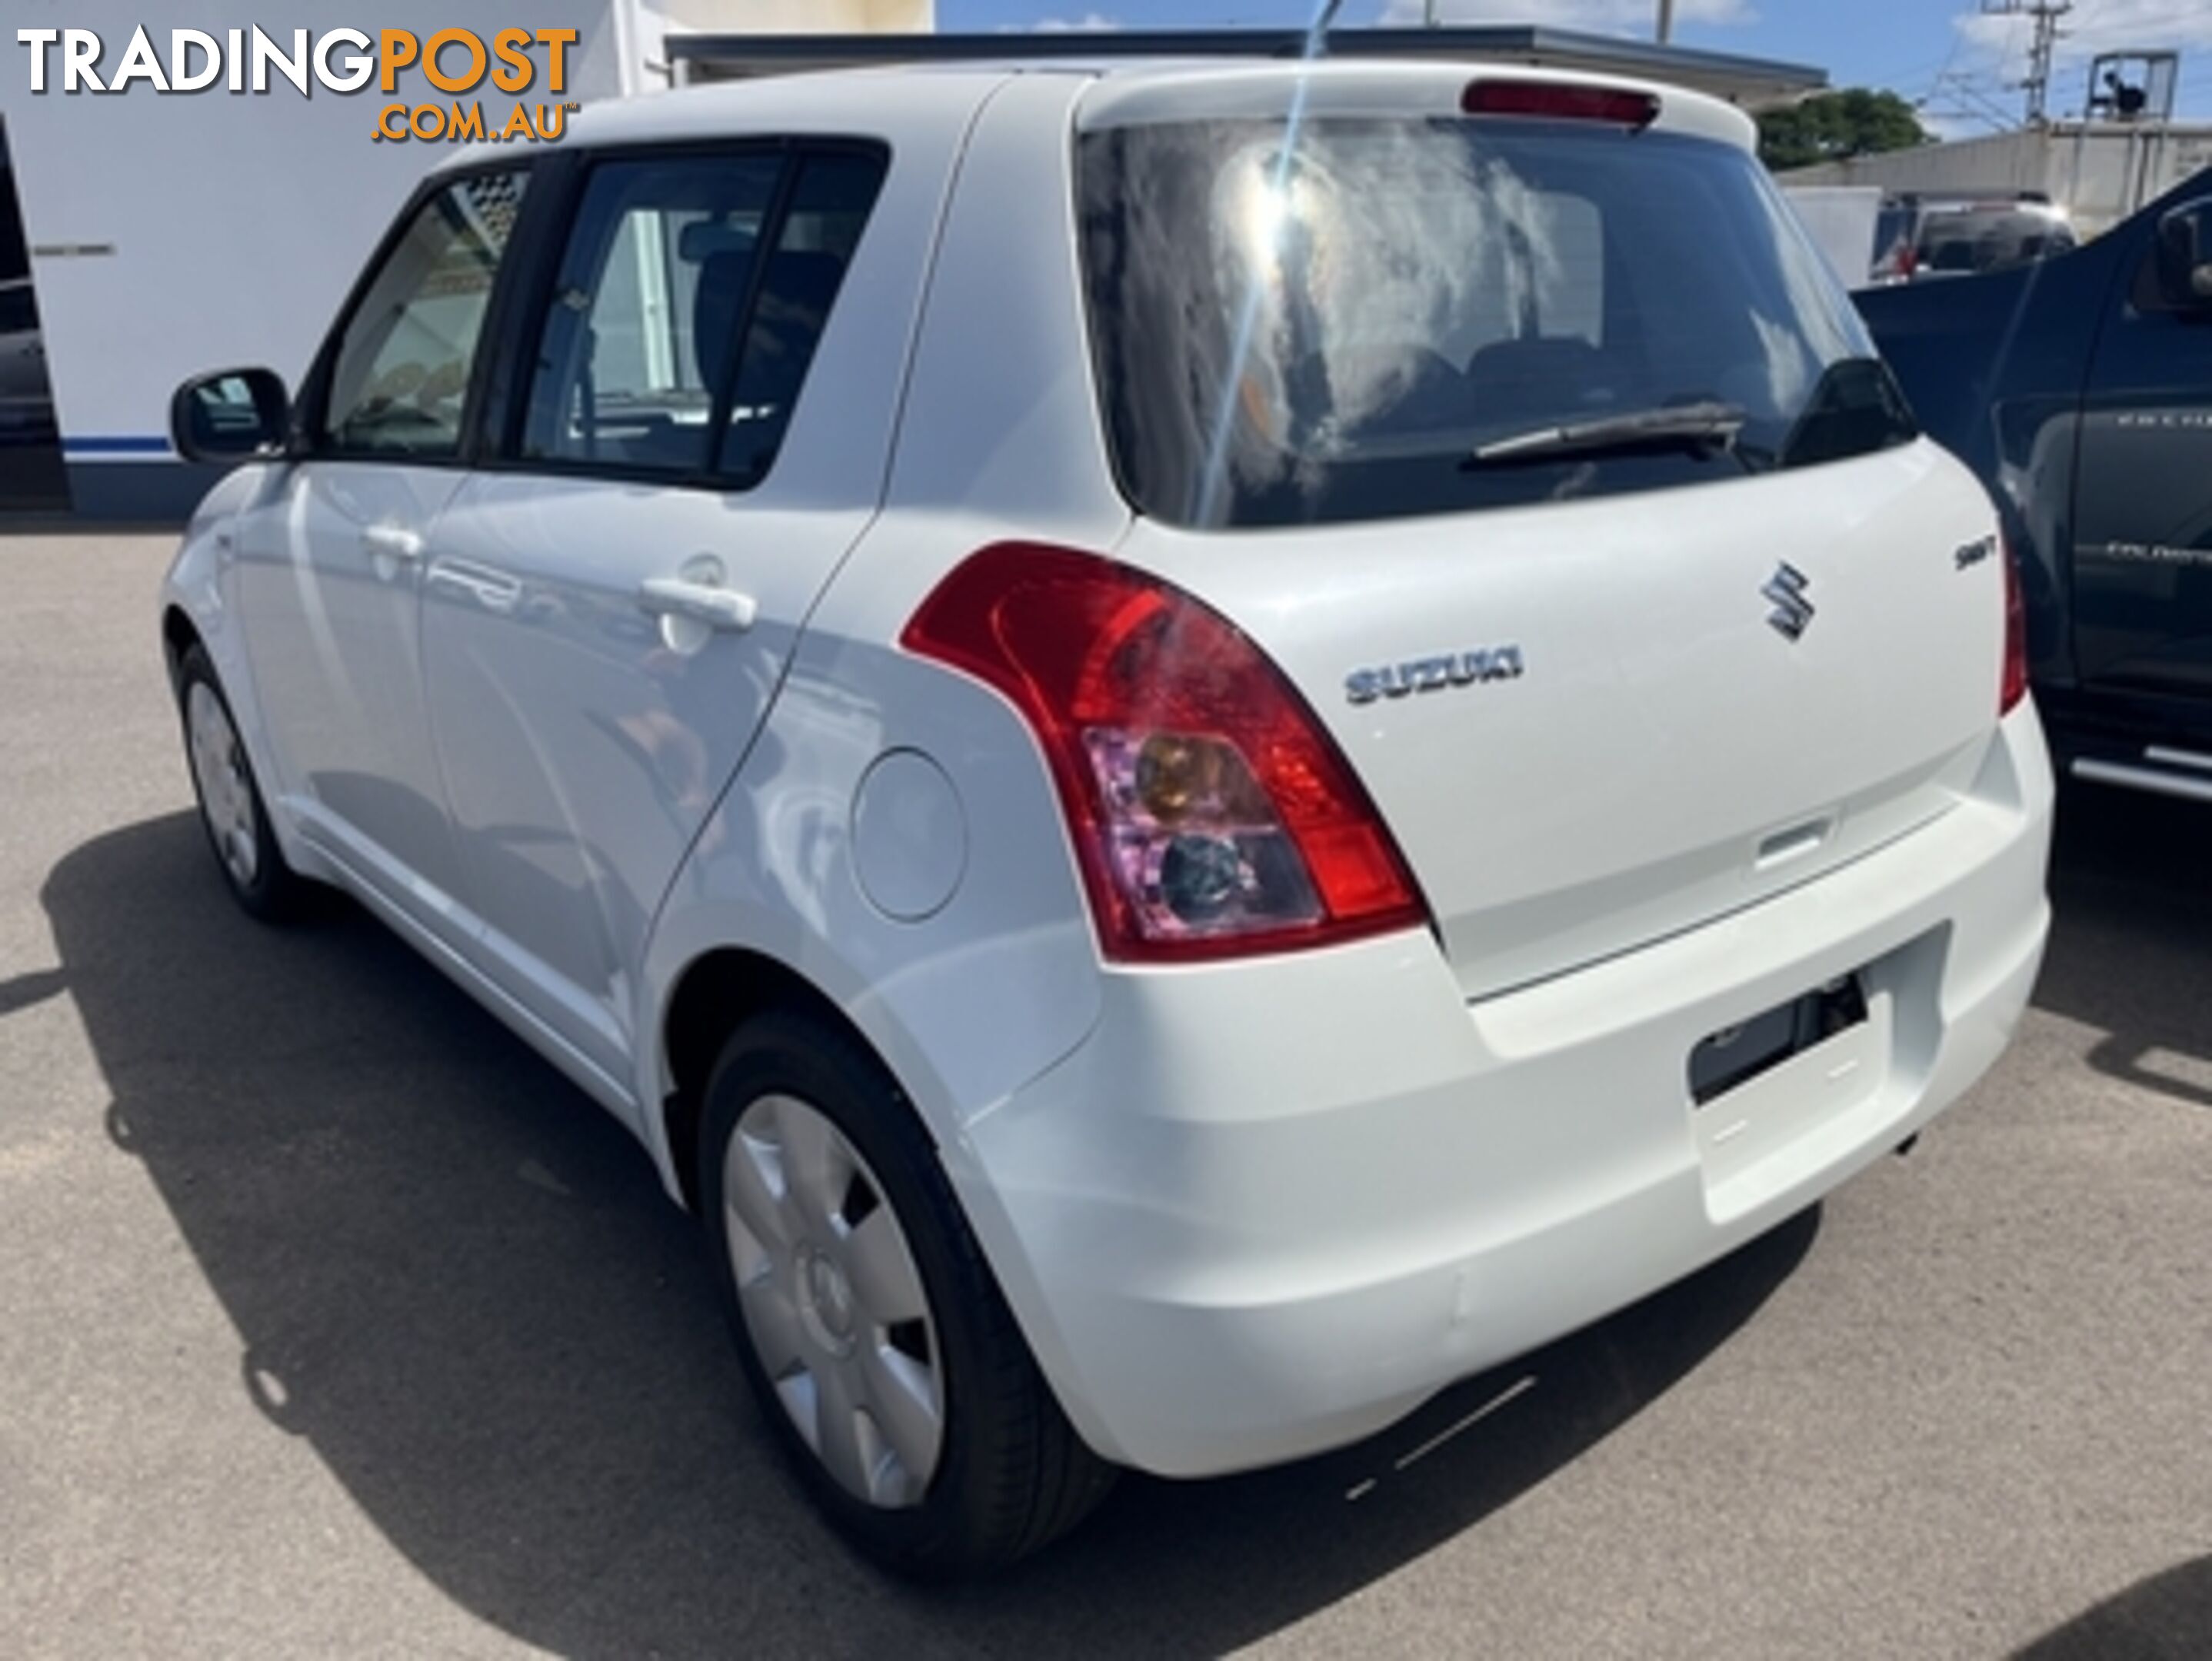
(2013, 686)
(1211, 815)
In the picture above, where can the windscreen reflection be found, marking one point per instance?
(1321, 320)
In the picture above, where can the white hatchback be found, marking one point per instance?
(1197, 747)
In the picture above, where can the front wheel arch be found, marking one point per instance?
(179, 636)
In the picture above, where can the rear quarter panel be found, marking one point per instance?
(998, 439)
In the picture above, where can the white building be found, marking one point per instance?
(170, 233)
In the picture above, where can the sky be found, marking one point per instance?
(1945, 52)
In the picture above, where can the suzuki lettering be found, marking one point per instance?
(1463, 669)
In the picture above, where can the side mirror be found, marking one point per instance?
(2185, 255)
(232, 415)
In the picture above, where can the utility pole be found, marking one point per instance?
(2046, 14)
(1665, 21)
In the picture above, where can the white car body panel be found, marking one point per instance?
(336, 656)
(1599, 798)
(1299, 1228)
(587, 741)
(583, 740)
(1001, 425)
(1252, 1209)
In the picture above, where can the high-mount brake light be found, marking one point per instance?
(2013, 686)
(1211, 814)
(1560, 100)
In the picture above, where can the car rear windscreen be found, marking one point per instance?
(1972, 240)
(1327, 322)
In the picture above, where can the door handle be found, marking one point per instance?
(394, 542)
(495, 591)
(718, 608)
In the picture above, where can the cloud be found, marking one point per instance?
(1607, 16)
(1948, 125)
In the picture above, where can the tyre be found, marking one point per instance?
(231, 808)
(878, 1345)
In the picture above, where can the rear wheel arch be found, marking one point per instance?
(1004, 1472)
(716, 995)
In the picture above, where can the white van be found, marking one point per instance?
(1198, 747)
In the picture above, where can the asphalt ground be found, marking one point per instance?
(334, 1323)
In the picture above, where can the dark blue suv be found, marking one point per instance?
(2080, 388)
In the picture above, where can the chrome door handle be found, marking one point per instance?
(718, 608)
(394, 542)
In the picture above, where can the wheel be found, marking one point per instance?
(875, 1340)
(230, 802)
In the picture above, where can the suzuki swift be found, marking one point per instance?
(1197, 747)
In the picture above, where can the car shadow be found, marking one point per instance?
(458, 1280)
(2131, 941)
(2165, 1618)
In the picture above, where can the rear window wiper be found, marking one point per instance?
(1707, 424)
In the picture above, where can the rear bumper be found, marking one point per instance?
(1267, 1209)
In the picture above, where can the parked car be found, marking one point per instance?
(1198, 747)
(2080, 391)
(1919, 237)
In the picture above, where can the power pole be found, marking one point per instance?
(1665, 21)
(2046, 14)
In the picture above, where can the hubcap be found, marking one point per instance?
(825, 1301)
(832, 1301)
(226, 790)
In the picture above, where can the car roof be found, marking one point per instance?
(890, 101)
(883, 98)
(1275, 87)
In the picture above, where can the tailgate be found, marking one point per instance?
(1665, 753)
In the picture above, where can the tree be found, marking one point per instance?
(1829, 126)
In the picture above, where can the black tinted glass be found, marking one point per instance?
(1326, 326)
(829, 206)
(640, 331)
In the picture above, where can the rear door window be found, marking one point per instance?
(645, 311)
(687, 308)
(829, 205)
(1325, 323)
